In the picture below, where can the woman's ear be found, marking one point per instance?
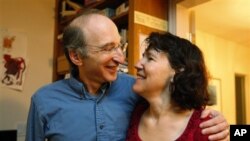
(172, 72)
(75, 58)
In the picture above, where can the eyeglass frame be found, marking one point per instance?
(106, 50)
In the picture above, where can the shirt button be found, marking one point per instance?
(101, 126)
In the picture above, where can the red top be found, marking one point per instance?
(191, 133)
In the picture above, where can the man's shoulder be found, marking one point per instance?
(50, 88)
(124, 80)
(124, 76)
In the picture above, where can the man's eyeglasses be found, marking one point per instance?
(109, 48)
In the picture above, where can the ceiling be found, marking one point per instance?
(229, 19)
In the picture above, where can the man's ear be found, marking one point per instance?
(75, 58)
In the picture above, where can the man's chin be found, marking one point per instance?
(112, 77)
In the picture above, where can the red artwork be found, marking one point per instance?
(15, 68)
(7, 41)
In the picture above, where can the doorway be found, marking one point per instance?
(240, 99)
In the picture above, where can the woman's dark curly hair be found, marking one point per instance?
(189, 87)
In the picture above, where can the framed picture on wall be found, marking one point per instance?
(214, 89)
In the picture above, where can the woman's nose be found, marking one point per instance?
(138, 65)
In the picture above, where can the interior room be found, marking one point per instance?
(32, 30)
(221, 29)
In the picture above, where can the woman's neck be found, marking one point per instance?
(161, 105)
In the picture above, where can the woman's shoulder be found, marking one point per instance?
(193, 130)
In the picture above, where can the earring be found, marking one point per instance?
(172, 79)
(181, 69)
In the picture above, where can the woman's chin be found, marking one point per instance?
(137, 89)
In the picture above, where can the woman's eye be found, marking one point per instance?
(150, 58)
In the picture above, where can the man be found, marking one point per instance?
(96, 102)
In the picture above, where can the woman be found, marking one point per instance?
(172, 78)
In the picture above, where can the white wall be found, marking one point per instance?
(224, 59)
(35, 20)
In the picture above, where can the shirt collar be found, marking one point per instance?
(82, 92)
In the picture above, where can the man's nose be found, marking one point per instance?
(119, 56)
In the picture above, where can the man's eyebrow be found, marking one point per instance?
(107, 44)
(111, 43)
